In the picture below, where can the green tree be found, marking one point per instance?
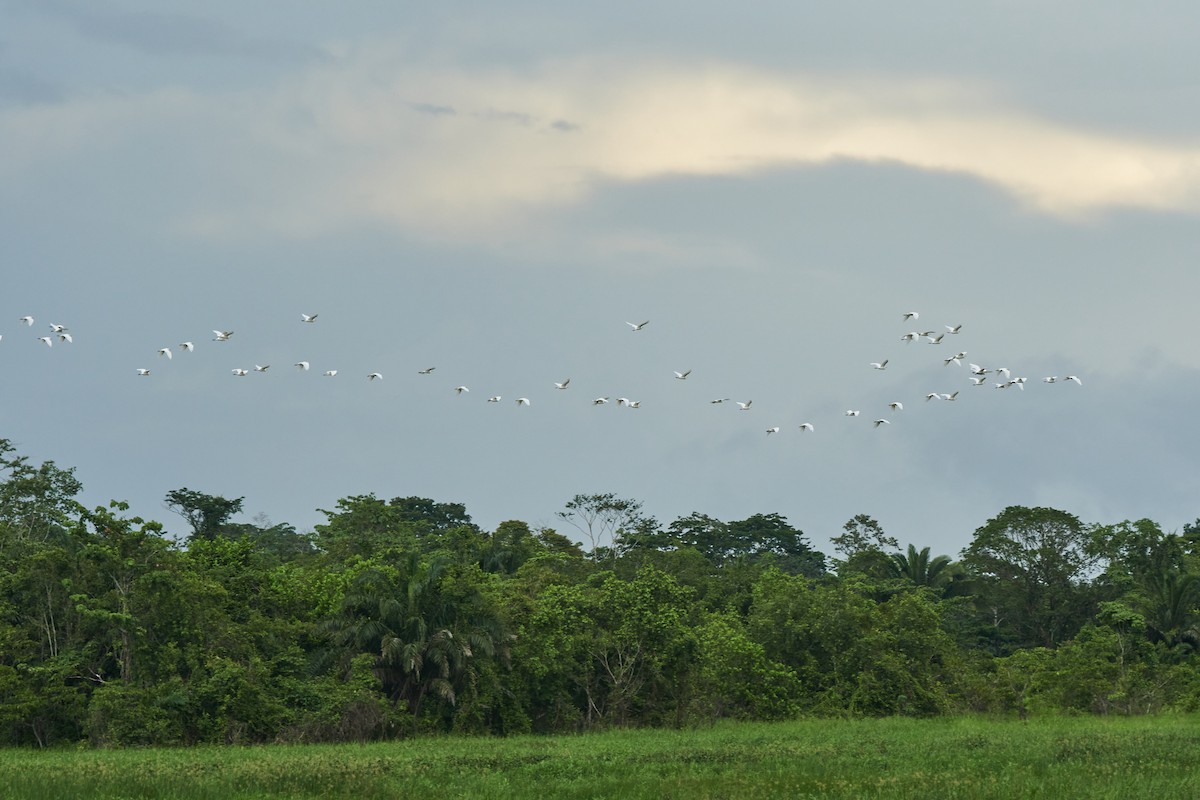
(36, 503)
(207, 514)
(851, 653)
(1033, 566)
(769, 538)
(510, 546)
(938, 573)
(423, 643)
(733, 677)
(364, 525)
(604, 520)
(861, 534)
(1171, 606)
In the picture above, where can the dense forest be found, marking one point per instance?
(400, 617)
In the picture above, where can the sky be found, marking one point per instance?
(500, 191)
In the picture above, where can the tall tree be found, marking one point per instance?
(862, 533)
(36, 503)
(861, 545)
(764, 537)
(1034, 565)
(208, 514)
(603, 519)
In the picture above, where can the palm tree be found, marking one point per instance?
(936, 573)
(1172, 608)
(424, 640)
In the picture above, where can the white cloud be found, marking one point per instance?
(355, 141)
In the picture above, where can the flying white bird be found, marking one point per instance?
(1007, 372)
(744, 406)
(911, 315)
(896, 406)
(461, 389)
(303, 365)
(880, 364)
(222, 336)
(635, 404)
(1051, 379)
(932, 396)
(911, 336)
(637, 326)
(1073, 378)
(426, 371)
(308, 317)
(936, 339)
(374, 376)
(952, 360)
(187, 346)
(49, 342)
(852, 413)
(879, 422)
(622, 401)
(563, 385)
(262, 368)
(494, 398)
(953, 396)
(165, 351)
(806, 426)
(772, 430)
(953, 328)
(980, 381)
(143, 372)
(330, 373)
(522, 401)
(65, 337)
(682, 376)
(599, 401)
(241, 373)
(56, 328)
(978, 370)
(719, 400)
(27, 320)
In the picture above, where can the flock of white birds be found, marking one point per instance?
(978, 376)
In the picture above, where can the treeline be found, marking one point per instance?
(400, 617)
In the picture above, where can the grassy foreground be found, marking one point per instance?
(1153, 757)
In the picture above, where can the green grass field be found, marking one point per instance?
(1152, 757)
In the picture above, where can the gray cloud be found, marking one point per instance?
(22, 87)
(516, 117)
(172, 34)
(773, 252)
(433, 109)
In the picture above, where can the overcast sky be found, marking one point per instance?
(496, 190)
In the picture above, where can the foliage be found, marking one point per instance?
(1033, 566)
(207, 514)
(401, 617)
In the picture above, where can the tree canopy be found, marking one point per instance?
(400, 617)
